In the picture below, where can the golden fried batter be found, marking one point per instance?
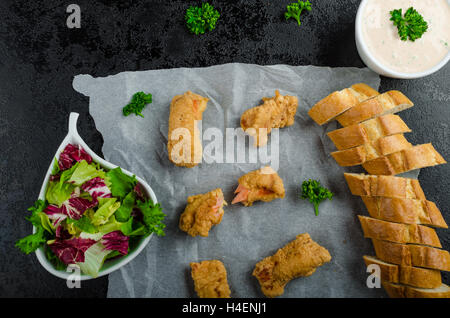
(202, 212)
(184, 144)
(210, 279)
(275, 112)
(298, 258)
(259, 185)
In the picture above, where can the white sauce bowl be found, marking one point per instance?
(376, 66)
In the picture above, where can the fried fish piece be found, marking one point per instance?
(210, 279)
(298, 258)
(259, 185)
(184, 144)
(202, 212)
(275, 112)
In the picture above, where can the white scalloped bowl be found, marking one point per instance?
(111, 265)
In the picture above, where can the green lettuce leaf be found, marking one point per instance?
(38, 217)
(85, 172)
(153, 217)
(107, 207)
(40, 220)
(110, 226)
(133, 228)
(67, 174)
(94, 257)
(32, 242)
(121, 184)
(58, 192)
(84, 224)
(124, 212)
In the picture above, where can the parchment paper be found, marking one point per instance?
(246, 234)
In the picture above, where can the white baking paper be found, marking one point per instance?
(246, 234)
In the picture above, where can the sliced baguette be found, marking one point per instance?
(408, 275)
(412, 255)
(402, 291)
(416, 157)
(386, 103)
(407, 211)
(338, 102)
(398, 232)
(370, 151)
(368, 131)
(384, 186)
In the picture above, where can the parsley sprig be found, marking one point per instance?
(411, 26)
(201, 19)
(294, 10)
(137, 104)
(313, 191)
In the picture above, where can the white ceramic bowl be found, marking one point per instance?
(111, 265)
(374, 64)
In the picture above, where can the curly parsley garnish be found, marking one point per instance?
(313, 191)
(137, 104)
(294, 10)
(201, 19)
(411, 26)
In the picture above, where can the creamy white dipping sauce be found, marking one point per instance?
(382, 39)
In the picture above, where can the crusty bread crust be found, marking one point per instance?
(407, 211)
(408, 275)
(398, 233)
(416, 157)
(338, 102)
(412, 255)
(370, 151)
(368, 131)
(384, 186)
(386, 103)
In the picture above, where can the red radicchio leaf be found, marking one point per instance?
(138, 190)
(116, 241)
(55, 214)
(97, 188)
(71, 251)
(75, 207)
(72, 154)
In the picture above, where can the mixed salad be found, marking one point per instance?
(90, 215)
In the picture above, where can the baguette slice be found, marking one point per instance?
(386, 103)
(368, 131)
(408, 275)
(416, 157)
(398, 232)
(381, 147)
(384, 186)
(407, 211)
(402, 291)
(412, 255)
(338, 102)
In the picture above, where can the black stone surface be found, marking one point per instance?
(39, 56)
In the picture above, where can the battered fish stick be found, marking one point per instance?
(202, 212)
(184, 144)
(298, 258)
(210, 279)
(275, 112)
(259, 185)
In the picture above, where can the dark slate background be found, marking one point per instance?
(39, 56)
